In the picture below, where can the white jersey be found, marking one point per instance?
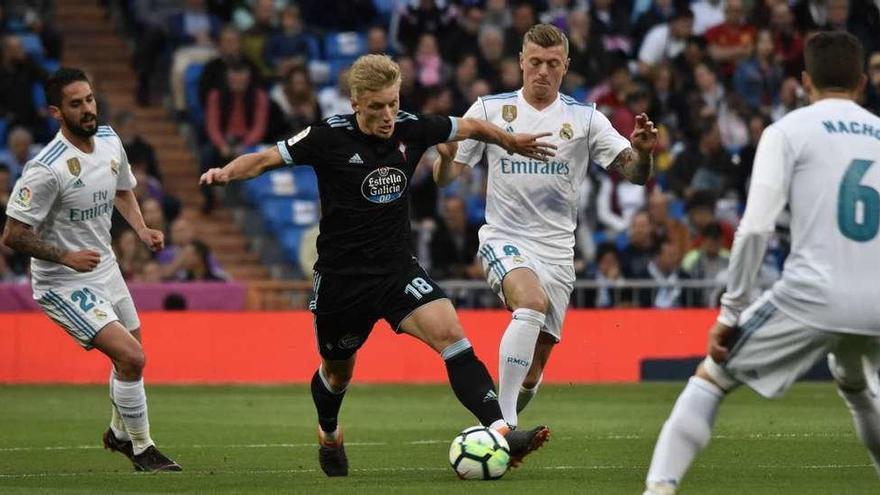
(535, 201)
(67, 196)
(824, 162)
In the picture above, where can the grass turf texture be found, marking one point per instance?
(262, 439)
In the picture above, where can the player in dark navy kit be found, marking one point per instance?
(365, 269)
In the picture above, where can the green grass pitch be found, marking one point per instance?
(240, 439)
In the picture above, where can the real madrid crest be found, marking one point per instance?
(73, 166)
(114, 167)
(567, 132)
(508, 113)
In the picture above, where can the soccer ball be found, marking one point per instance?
(479, 453)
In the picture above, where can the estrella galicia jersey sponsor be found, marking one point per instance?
(364, 184)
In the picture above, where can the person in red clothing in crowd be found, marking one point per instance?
(236, 117)
(732, 40)
(788, 40)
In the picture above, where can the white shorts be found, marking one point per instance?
(84, 308)
(500, 255)
(771, 350)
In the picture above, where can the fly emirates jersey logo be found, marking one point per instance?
(534, 167)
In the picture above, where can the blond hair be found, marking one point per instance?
(372, 73)
(546, 35)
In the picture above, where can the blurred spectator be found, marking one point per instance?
(174, 302)
(214, 73)
(872, 90)
(196, 266)
(511, 75)
(236, 118)
(757, 124)
(464, 77)
(454, 243)
(708, 262)
(19, 74)
(637, 254)
(350, 15)
(430, 66)
(491, 43)
(154, 218)
(618, 200)
(668, 106)
(665, 41)
(254, 39)
(694, 54)
(811, 15)
(19, 149)
(609, 277)
(496, 14)
(589, 61)
(659, 12)
(758, 79)
(611, 93)
(462, 37)
(704, 166)
(290, 45)
(336, 100)
(610, 21)
(377, 41)
(732, 40)
(791, 97)
(700, 208)
(150, 273)
(191, 34)
(707, 13)
(137, 149)
(522, 19)
(665, 226)
(296, 98)
(787, 39)
(131, 254)
(623, 118)
(665, 271)
(557, 13)
(424, 17)
(723, 107)
(173, 258)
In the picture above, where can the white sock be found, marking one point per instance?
(526, 394)
(865, 409)
(515, 358)
(131, 401)
(116, 424)
(686, 432)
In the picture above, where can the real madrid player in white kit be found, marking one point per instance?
(531, 210)
(821, 160)
(59, 214)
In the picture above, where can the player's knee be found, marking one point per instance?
(131, 362)
(338, 381)
(536, 301)
(849, 377)
(532, 379)
(447, 335)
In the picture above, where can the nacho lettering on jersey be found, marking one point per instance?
(363, 182)
(535, 201)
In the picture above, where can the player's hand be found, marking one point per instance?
(154, 239)
(447, 151)
(82, 261)
(528, 145)
(644, 136)
(214, 176)
(719, 335)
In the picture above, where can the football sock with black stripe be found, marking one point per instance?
(327, 402)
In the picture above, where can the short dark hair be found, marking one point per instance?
(58, 80)
(834, 60)
(712, 231)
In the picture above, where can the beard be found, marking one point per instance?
(78, 127)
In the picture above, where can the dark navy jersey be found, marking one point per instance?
(364, 183)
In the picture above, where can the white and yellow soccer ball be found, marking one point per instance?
(479, 453)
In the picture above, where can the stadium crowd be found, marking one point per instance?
(712, 74)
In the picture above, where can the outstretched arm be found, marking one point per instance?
(244, 167)
(637, 162)
(446, 169)
(522, 144)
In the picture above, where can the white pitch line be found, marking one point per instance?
(215, 472)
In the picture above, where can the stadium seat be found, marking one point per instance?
(345, 45)
(280, 213)
(191, 92)
(291, 240)
(32, 46)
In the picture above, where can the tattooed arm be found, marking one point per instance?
(637, 162)
(21, 237)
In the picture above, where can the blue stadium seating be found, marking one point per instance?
(191, 91)
(291, 240)
(32, 45)
(344, 45)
